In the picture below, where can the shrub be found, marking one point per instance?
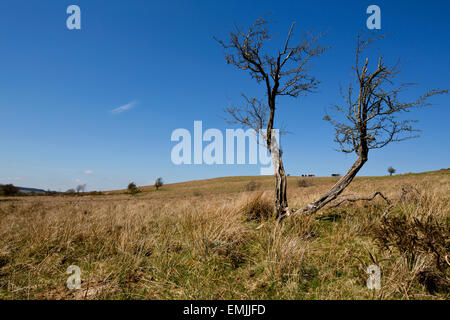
(257, 208)
(252, 186)
(9, 190)
(132, 188)
(302, 183)
(414, 237)
(96, 193)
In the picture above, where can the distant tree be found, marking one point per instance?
(70, 191)
(252, 186)
(159, 183)
(391, 171)
(9, 190)
(81, 188)
(371, 117)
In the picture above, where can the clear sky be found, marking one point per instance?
(158, 61)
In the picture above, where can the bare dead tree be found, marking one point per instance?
(371, 119)
(283, 74)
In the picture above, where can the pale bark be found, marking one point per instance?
(281, 203)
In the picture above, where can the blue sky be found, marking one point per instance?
(158, 61)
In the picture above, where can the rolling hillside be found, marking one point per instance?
(215, 239)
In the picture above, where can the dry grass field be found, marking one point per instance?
(199, 240)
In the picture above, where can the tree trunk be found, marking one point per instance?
(281, 203)
(337, 189)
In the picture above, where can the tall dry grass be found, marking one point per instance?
(176, 245)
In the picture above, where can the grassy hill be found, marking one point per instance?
(225, 185)
(200, 240)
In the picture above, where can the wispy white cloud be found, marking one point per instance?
(88, 172)
(123, 108)
(11, 178)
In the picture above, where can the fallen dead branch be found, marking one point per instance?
(369, 198)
